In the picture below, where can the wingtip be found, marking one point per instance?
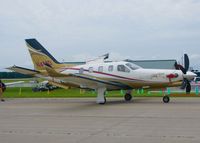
(10, 68)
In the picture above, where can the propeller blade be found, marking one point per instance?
(183, 85)
(176, 66)
(188, 87)
(186, 62)
(182, 69)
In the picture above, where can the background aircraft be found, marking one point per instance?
(104, 76)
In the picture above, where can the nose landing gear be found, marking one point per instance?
(127, 97)
(166, 99)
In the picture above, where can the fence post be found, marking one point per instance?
(20, 91)
(197, 90)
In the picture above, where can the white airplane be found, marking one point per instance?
(104, 76)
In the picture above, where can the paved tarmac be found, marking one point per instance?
(145, 120)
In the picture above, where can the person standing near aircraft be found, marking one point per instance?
(2, 89)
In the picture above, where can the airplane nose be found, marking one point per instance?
(189, 75)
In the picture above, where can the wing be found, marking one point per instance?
(94, 82)
(86, 82)
(71, 80)
(23, 70)
(81, 80)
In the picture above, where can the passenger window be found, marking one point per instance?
(122, 68)
(110, 68)
(100, 69)
(90, 69)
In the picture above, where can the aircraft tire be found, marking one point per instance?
(127, 97)
(166, 99)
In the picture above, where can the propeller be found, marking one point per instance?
(186, 83)
(186, 62)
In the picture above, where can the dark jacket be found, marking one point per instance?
(2, 86)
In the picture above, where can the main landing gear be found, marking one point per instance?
(101, 98)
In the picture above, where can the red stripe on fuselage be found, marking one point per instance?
(104, 74)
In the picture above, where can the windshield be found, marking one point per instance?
(133, 66)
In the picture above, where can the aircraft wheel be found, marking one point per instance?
(166, 99)
(128, 97)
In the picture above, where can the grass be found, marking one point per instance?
(26, 92)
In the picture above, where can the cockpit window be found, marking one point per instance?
(122, 68)
(132, 66)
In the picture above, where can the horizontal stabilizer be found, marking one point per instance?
(14, 83)
(23, 70)
(53, 73)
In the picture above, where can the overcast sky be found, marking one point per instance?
(77, 30)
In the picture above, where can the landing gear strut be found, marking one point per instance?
(166, 99)
(101, 99)
(102, 102)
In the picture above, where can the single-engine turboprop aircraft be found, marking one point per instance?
(104, 76)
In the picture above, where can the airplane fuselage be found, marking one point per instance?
(133, 77)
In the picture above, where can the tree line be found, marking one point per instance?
(9, 75)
